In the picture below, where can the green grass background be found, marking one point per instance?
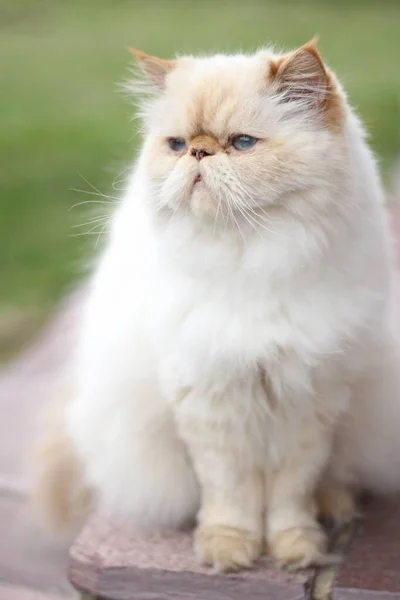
(62, 118)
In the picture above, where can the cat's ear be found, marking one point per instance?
(155, 69)
(302, 75)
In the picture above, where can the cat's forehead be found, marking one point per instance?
(214, 95)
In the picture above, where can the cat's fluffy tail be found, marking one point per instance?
(59, 488)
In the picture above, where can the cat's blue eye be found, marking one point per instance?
(177, 144)
(244, 142)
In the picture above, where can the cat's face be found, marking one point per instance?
(231, 135)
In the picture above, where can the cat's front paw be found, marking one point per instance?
(226, 548)
(300, 547)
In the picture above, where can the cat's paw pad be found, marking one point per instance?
(300, 547)
(225, 548)
(337, 506)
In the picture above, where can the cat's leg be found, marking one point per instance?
(338, 493)
(295, 538)
(230, 523)
(229, 535)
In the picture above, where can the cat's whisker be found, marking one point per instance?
(84, 233)
(238, 227)
(95, 189)
(219, 211)
(248, 212)
(248, 220)
(88, 224)
(91, 221)
(251, 207)
(90, 232)
(253, 216)
(234, 202)
(118, 178)
(90, 202)
(111, 199)
(253, 212)
(101, 233)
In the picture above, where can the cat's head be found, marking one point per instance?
(230, 135)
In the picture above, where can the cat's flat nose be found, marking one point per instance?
(199, 153)
(203, 145)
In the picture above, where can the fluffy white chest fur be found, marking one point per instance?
(237, 350)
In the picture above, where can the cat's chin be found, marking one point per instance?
(202, 203)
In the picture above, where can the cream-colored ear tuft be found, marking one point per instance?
(156, 69)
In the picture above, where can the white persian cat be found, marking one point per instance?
(237, 358)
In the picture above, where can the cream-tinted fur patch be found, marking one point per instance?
(60, 487)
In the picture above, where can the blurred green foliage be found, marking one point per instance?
(62, 120)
